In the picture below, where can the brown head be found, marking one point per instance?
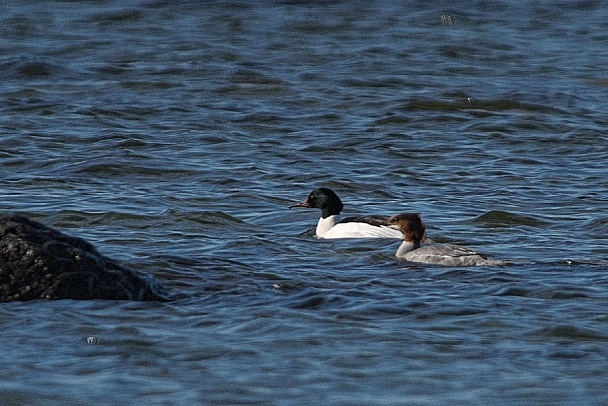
(411, 226)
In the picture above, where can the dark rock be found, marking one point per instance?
(38, 262)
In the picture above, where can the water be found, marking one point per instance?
(173, 136)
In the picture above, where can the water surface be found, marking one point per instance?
(173, 136)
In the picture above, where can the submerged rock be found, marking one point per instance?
(38, 262)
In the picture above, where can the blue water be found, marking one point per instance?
(173, 135)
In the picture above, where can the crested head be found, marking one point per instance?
(411, 226)
(325, 199)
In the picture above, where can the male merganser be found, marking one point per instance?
(331, 225)
(414, 232)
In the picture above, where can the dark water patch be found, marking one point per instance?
(310, 302)
(250, 91)
(17, 96)
(115, 17)
(114, 112)
(518, 160)
(213, 218)
(149, 85)
(501, 277)
(483, 105)
(541, 292)
(314, 28)
(376, 83)
(252, 77)
(568, 293)
(461, 311)
(201, 275)
(570, 333)
(80, 219)
(124, 142)
(118, 169)
(568, 354)
(458, 275)
(112, 68)
(514, 291)
(498, 218)
(392, 119)
(34, 69)
(598, 225)
(262, 118)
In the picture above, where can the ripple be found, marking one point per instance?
(498, 218)
(115, 16)
(571, 333)
(483, 105)
(217, 218)
(36, 69)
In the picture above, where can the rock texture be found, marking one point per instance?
(38, 262)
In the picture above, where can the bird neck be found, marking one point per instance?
(331, 210)
(326, 223)
(407, 246)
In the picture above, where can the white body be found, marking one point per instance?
(447, 255)
(330, 227)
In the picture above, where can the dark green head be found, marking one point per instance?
(322, 198)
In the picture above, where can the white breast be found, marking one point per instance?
(358, 230)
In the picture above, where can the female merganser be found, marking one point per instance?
(414, 232)
(331, 225)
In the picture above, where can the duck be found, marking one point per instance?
(332, 226)
(414, 233)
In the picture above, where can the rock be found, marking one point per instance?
(38, 262)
